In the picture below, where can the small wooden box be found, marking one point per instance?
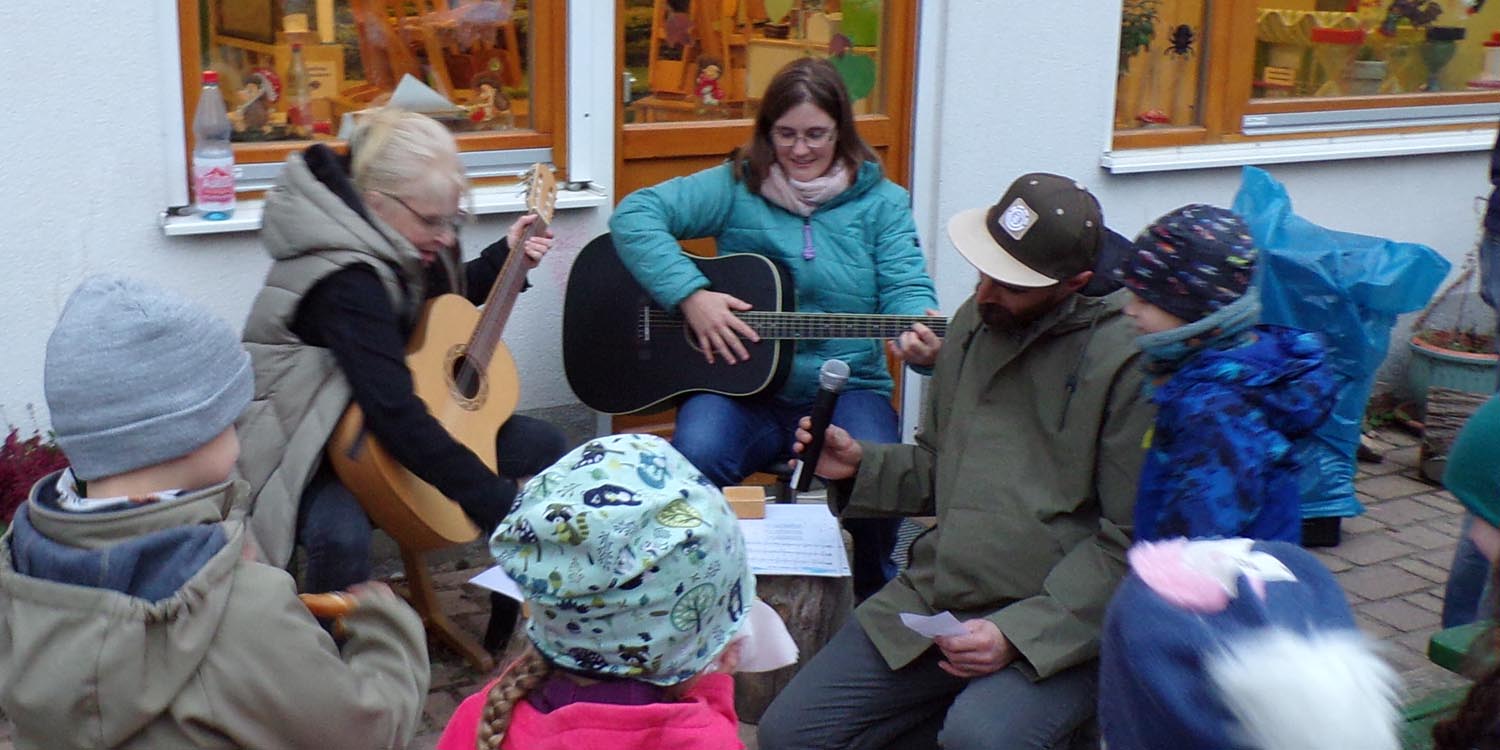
(746, 501)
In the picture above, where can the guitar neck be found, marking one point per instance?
(784, 325)
(502, 297)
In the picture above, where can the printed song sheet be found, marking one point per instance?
(795, 540)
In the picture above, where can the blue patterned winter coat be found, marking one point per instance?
(1221, 460)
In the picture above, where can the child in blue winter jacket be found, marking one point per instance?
(1232, 397)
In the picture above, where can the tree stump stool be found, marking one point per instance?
(813, 608)
(1447, 411)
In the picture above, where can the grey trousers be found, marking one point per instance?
(847, 697)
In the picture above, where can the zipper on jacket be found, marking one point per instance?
(808, 251)
(1071, 385)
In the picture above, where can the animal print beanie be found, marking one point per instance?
(631, 561)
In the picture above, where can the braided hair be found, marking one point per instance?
(526, 672)
(1473, 727)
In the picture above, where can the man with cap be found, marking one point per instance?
(1028, 455)
(132, 611)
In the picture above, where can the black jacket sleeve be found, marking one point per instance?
(480, 273)
(349, 313)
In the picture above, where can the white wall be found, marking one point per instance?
(1020, 87)
(1004, 88)
(82, 182)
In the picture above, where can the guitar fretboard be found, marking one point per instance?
(779, 325)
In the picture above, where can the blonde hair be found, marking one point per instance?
(403, 153)
(525, 673)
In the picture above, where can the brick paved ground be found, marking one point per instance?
(1392, 562)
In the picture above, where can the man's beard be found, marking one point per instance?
(1000, 319)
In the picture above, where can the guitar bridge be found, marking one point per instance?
(644, 332)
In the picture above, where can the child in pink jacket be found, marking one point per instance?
(634, 570)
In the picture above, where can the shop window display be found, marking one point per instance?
(712, 59)
(1209, 71)
(299, 69)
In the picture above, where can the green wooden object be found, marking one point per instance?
(1418, 717)
(1450, 648)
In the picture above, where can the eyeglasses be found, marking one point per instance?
(814, 137)
(435, 224)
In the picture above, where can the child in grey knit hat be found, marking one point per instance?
(132, 612)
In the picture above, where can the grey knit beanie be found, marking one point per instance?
(137, 375)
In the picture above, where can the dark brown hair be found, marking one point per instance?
(1474, 726)
(805, 80)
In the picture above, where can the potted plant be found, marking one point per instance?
(1137, 28)
(22, 462)
(1453, 354)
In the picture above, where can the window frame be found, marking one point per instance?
(1225, 98)
(549, 22)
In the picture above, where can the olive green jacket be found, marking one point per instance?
(231, 659)
(1028, 454)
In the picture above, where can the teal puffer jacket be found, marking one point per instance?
(867, 258)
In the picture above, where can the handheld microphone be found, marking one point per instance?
(831, 380)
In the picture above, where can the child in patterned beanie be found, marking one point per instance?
(634, 570)
(1232, 397)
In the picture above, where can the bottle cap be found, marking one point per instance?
(296, 46)
(210, 76)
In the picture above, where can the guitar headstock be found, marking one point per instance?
(540, 188)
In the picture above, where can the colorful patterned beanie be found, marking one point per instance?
(1192, 261)
(631, 560)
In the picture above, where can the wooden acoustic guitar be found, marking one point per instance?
(622, 353)
(465, 375)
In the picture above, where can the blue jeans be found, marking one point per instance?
(846, 696)
(1469, 574)
(729, 439)
(1468, 582)
(335, 533)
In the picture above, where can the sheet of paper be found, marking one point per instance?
(496, 580)
(932, 626)
(415, 96)
(796, 540)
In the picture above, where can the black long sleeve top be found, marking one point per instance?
(351, 315)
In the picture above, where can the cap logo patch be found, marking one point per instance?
(1018, 219)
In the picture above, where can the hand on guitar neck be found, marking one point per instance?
(531, 235)
(712, 317)
(919, 346)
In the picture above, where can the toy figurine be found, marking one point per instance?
(707, 87)
(491, 107)
(257, 96)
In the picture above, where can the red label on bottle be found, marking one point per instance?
(213, 184)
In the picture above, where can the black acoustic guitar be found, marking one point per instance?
(622, 353)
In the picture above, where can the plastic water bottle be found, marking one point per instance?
(213, 158)
(299, 102)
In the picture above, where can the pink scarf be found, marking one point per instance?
(802, 198)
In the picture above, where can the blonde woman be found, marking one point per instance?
(356, 248)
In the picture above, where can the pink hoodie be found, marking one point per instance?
(703, 720)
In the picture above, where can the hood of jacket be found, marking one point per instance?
(96, 640)
(315, 207)
(1281, 373)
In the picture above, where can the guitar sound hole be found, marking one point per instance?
(466, 380)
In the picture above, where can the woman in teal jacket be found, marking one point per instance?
(807, 192)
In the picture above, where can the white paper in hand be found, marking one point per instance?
(496, 580)
(942, 623)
